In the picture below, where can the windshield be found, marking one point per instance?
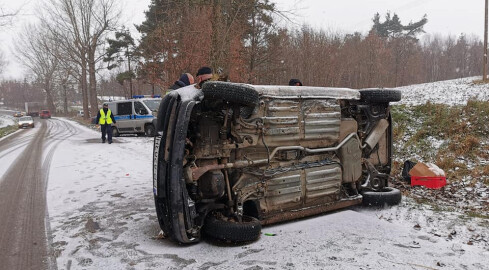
(25, 118)
(153, 104)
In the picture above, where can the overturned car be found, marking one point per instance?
(232, 157)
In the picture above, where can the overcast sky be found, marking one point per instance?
(446, 17)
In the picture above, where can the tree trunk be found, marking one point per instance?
(92, 82)
(49, 96)
(65, 98)
(84, 88)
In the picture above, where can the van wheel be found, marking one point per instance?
(380, 95)
(387, 196)
(149, 130)
(232, 92)
(115, 132)
(230, 230)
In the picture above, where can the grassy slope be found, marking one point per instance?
(453, 137)
(7, 130)
(456, 138)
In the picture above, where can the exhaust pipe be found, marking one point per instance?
(374, 136)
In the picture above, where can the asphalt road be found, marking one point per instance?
(23, 228)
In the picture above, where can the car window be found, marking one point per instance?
(25, 118)
(152, 104)
(139, 108)
(124, 108)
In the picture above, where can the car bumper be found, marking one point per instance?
(175, 215)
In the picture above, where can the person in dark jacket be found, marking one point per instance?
(184, 80)
(295, 82)
(105, 118)
(203, 74)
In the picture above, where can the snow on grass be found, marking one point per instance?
(452, 92)
(7, 120)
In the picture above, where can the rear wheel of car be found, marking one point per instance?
(380, 95)
(115, 132)
(387, 196)
(232, 92)
(230, 230)
(149, 130)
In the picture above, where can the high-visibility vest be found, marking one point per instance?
(104, 117)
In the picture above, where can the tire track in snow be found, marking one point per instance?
(22, 208)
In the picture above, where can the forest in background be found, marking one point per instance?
(76, 41)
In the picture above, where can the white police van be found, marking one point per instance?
(135, 116)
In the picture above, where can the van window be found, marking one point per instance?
(124, 108)
(153, 104)
(139, 108)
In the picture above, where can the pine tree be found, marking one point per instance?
(393, 28)
(121, 49)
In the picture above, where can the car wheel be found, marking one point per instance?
(380, 95)
(387, 196)
(231, 92)
(230, 230)
(115, 132)
(149, 131)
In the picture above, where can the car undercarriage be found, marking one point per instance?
(232, 157)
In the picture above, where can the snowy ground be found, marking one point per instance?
(102, 217)
(456, 91)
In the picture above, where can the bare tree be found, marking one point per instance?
(82, 26)
(6, 16)
(36, 52)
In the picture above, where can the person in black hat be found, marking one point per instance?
(105, 118)
(203, 74)
(295, 82)
(184, 80)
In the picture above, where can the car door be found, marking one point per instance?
(141, 116)
(124, 117)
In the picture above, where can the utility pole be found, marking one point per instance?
(484, 76)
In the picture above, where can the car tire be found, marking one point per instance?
(387, 196)
(232, 92)
(115, 132)
(380, 95)
(150, 130)
(232, 231)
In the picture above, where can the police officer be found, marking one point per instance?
(105, 120)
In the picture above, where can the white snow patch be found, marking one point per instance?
(454, 92)
(7, 120)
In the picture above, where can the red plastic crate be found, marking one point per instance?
(434, 182)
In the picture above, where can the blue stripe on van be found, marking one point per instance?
(143, 116)
(122, 117)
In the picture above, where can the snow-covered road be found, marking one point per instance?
(102, 216)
